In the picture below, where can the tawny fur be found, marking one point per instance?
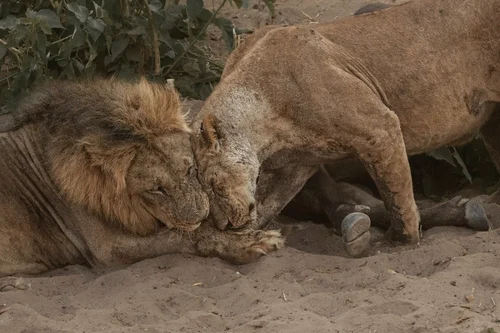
(99, 172)
(91, 168)
(376, 87)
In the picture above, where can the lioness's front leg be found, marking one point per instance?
(382, 150)
(491, 137)
(276, 188)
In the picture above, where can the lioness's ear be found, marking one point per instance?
(210, 133)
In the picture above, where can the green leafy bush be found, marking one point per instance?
(43, 39)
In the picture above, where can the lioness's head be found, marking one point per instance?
(123, 151)
(227, 175)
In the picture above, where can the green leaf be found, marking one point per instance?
(118, 46)
(126, 72)
(238, 3)
(79, 66)
(30, 13)
(155, 6)
(241, 31)
(165, 38)
(192, 69)
(79, 37)
(3, 51)
(95, 27)
(45, 27)
(102, 14)
(80, 12)
(226, 27)
(68, 71)
(462, 164)
(194, 8)
(137, 30)
(91, 55)
(107, 60)
(26, 21)
(41, 46)
(19, 33)
(10, 22)
(205, 91)
(133, 54)
(270, 6)
(49, 17)
(67, 48)
(444, 154)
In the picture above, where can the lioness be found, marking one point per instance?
(377, 87)
(100, 173)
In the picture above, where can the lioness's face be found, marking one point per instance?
(163, 183)
(229, 179)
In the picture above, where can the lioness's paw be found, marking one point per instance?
(250, 245)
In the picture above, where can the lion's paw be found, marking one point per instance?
(249, 246)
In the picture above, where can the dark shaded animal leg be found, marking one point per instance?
(276, 188)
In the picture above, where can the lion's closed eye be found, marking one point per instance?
(192, 170)
(158, 190)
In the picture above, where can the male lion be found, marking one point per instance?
(99, 173)
(376, 87)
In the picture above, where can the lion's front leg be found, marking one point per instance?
(238, 247)
(114, 247)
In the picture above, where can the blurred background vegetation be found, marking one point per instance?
(46, 39)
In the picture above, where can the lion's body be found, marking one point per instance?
(376, 87)
(30, 209)
(99, 173)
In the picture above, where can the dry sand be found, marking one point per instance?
(447, 284)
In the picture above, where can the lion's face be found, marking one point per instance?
(229, 179)
(126, 155)
(163, 185)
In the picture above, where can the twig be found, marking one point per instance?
(214, 63)
(154, 37)
(6, 286)
(125, 8)
(309, 17)
(461, 320)
(176, 62)
(12, 50)
(2, 80)
(61, 40)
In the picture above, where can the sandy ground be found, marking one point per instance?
(447, 284)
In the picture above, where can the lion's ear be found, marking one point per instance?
(210, 132)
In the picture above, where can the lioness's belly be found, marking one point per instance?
(426, 130)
